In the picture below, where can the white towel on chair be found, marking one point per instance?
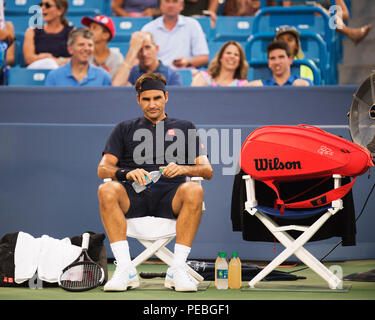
(45, 255)
(150, 228)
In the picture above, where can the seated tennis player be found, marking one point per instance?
(134, 149)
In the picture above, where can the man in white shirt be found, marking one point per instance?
(181, 40)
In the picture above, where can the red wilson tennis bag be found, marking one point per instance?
(274, 154)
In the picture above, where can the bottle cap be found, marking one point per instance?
(222, 254)
(234, 254)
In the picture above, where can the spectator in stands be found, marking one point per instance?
(46, 47)
(78, 71)
(135, 8)
(241, 7)
(202, 8)
(104, 30)
(279, 62)
(7, 50)
(291, 37)
(227, 69)
(356, 35)
(181, 40)
(7, 35)
(142, 47)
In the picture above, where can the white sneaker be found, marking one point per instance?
(123, 278)
(178, 278)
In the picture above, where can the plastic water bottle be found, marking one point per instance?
(234, 272)
(155, 176)
(221, 271)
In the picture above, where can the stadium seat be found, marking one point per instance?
(233, 28)
(21, 23)
(205, 23)
(259, 70)
(186, 76)
(19, 60)
(19, 7)
(24, 77)
(75, 21)
(125, 26)
(87, 7)
(313, 47)
(214, 47)
(309, 18)
(122, 46)
(107, 9)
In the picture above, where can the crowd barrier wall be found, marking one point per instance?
(51, 142)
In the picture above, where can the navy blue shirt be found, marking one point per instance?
(139, 143)
(53, 43)
(172, 76)
(289, 82)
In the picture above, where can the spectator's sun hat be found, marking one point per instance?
(292, 30)
(287, 29)
(103, 20)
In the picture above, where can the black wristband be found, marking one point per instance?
(121, 174)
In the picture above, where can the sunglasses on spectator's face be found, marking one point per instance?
(46, 4)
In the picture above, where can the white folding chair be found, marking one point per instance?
(154, 234)
(293, 246)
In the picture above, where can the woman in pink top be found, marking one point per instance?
(227, 69)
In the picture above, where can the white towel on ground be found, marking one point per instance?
(54, 256)
(45, 255)
(26, 256)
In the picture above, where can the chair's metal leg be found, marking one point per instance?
(295, 247)
(158, 249)
(333, 281)
(151, 247)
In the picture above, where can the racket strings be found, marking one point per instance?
(81, 276)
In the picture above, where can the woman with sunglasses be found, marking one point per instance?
(46, 47)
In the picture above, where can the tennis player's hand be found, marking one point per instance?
(172, 170)
(139, 175)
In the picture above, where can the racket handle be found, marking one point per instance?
(85, 240)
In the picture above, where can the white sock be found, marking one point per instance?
(181, 253)
(120, 250)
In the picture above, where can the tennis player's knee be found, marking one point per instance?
(108, 192)
(193, 192)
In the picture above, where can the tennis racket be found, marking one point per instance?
(83, 274)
